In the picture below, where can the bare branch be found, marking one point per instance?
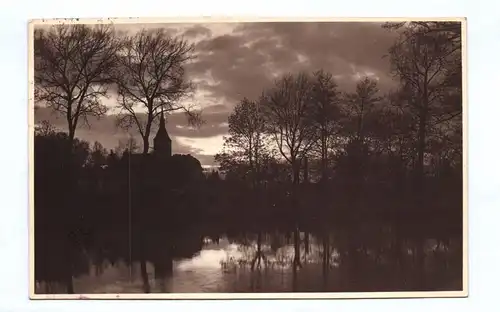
(72, 64)
(286, 108)
(151, 79)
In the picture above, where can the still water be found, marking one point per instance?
(225, 267)
(218, 267)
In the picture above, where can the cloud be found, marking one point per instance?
(241, 60)
(244, 62)
(105, 131)
(197, 31)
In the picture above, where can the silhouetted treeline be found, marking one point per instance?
(375, 178)
(123, 207)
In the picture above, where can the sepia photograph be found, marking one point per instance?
(252, 158)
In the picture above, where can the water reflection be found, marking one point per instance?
(225, 266)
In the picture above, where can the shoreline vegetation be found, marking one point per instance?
(374, 179)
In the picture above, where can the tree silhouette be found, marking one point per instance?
(361, 102)
(373, 181)
(245, 142)
(59, 235)
(325, 114)
(424, 62)
(151, 79)
(360, 107)
(246, 147)
(452, 30)
(44, 128)
(98, 155)
(73, 64)
(129, 144)
(285, 107)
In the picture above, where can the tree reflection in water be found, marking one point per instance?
(226, 267)
(318, 188)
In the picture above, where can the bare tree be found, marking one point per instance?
(325, 116)
(286, 107)
(425, 62)
(130, 145)
(44, 128)
(452, 30)
(361, 102)
(246, 145)
(151, 79)
(245, 140)
(73, 64)
(358, 106)
(98, 155)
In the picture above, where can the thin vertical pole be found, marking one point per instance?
(130, 210)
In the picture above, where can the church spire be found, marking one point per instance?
(162, 142)
(162, 120)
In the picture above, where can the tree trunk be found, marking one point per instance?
(71, 135)
(306, 233)
(326, 259)
(68, 254)
(142, 259)
(421, 150)
(258, 255)
(142, 225)
(324, 215)
(306, 243)
(295, 204)
(296, 244)
(360, 121)
(69, 225)
(419, 200)
(295, 264)
(163, 270)
(145, 145)
(145, 277)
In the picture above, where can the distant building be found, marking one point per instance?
(161, 165)
(162, 142)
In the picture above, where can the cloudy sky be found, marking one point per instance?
(240, 60)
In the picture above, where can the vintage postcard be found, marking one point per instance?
(224, 158)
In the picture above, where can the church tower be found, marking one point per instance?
(162, 142)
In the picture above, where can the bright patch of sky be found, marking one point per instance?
(208, 146)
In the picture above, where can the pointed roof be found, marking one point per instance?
(162, 130)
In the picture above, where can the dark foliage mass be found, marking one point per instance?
(377, 178)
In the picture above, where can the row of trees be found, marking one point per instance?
(75, 66)
(362, 145)
(123, 207)
(347, 167)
